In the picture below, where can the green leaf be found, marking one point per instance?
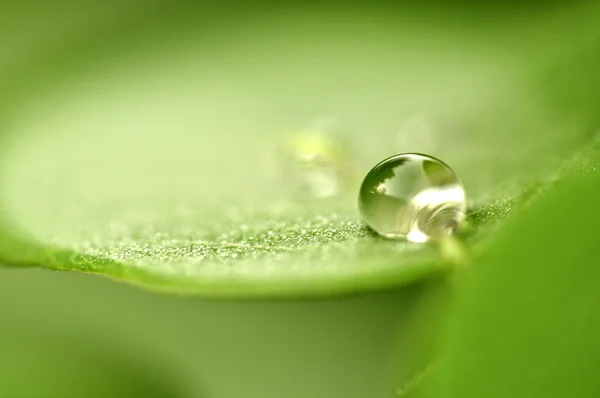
(526, 320)
(161, 165)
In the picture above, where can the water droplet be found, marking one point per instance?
(412, 196)
(316, 161)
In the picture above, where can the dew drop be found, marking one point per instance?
(316, 160)
(414, 197)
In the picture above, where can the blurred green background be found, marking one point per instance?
(130, 131)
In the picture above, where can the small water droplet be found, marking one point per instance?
(414, 197)
(316, 160)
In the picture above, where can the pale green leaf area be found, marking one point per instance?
(202, 348)
(160, 164)
(58, 363)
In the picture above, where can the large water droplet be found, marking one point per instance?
(412, 196)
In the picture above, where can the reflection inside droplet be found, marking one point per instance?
(414, 197)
